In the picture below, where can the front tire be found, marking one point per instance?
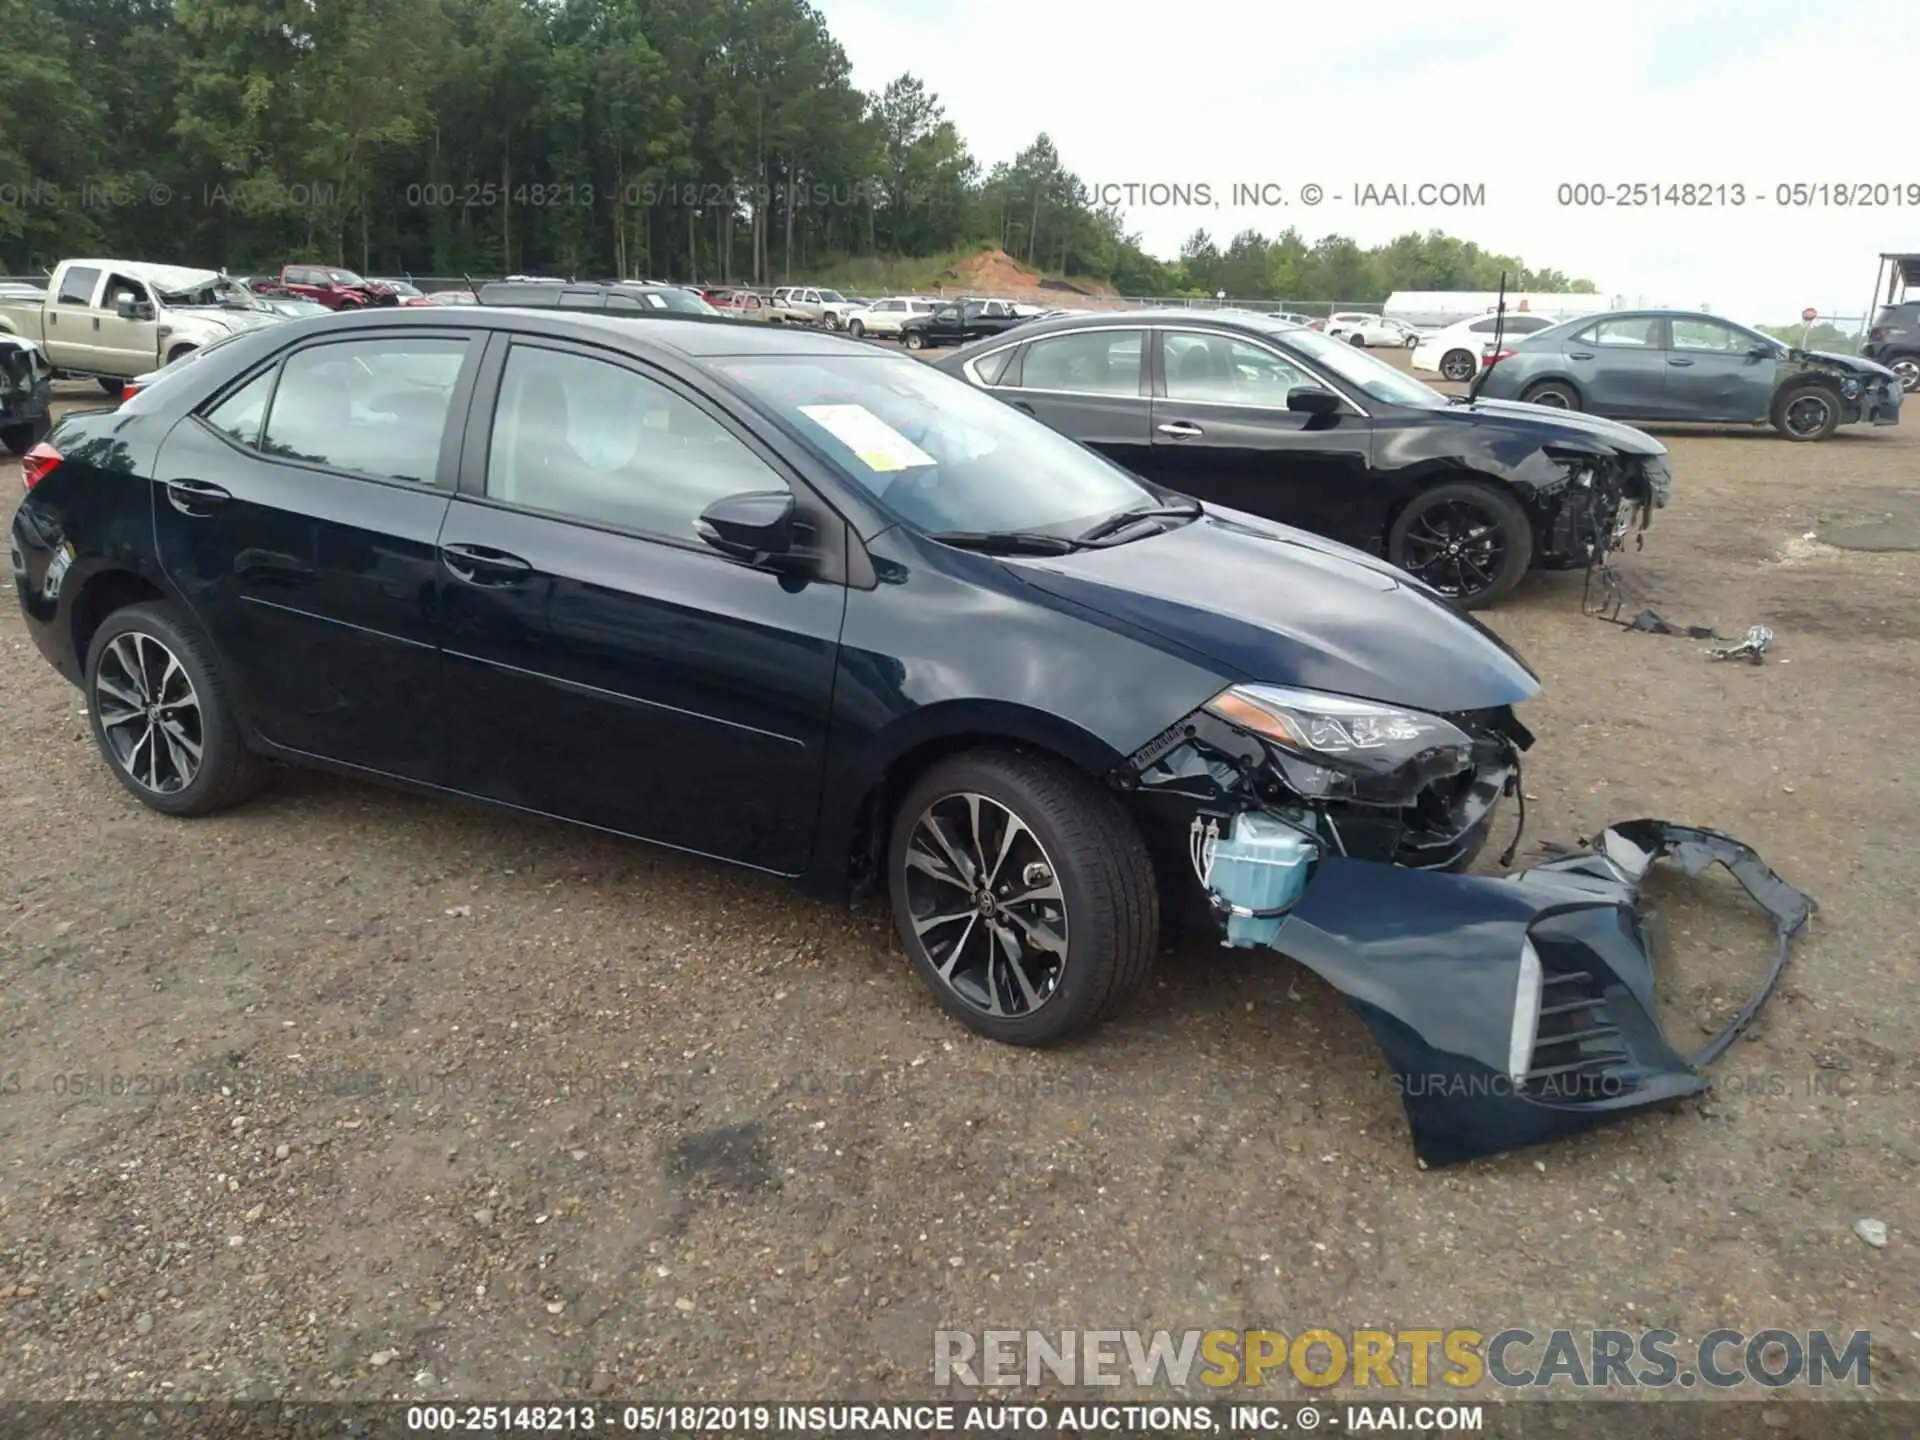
(158, 707)
(1468, 540)
(916, 340)
(856, 329)
(1358, 339)
(113, 387)
(20, 438)
(1023, 895)
(1554, 393)
(1807, 413)
(1457, 365)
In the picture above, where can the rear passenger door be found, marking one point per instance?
(297, 513)
(1090, 385)
(605, 665)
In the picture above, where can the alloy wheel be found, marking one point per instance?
(986, 905)
(1553, 400)
(149, 713)
(1808, 415)
(1457, 547)
(1457, 366)
(1908, 369)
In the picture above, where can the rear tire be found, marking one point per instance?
(1457, 365)
(1087, 937)
(1483, 569)
(856, 329)
(1907, 367)
(1555, 393)
(1806, 413)
(113, 387)
(159, 711)
(1358, 339)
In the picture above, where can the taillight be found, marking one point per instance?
(128, 391)
(1877, 333)
(1496, 359)
(37, 464)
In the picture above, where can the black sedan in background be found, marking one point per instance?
(1290, 424)
(1683, 365)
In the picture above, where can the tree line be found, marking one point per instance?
(719, 140)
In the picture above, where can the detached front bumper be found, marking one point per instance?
(1878, 404)
(1517, 1010)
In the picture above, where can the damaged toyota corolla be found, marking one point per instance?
(789, 601)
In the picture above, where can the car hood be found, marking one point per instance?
(1852, 364)
(1578, 427)
(1279, 605)
(229, 318)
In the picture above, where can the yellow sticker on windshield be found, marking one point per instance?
(878, 445)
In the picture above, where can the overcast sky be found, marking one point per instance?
(1502, 93)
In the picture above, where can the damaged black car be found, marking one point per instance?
(787, 600)
(1281, 421)
(26, 394)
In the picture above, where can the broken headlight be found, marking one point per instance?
(1332, 747)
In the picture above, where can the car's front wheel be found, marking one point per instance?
(20, 438)
(1807, 412)
(1023, 894)
(112, 387)
(160, 714)
(1470, 541)
(916, 340)
(1358, 339)
(1457, 365)
(856, 329)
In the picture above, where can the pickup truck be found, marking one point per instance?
(26, 395)
(110, 320)
(331, 286)
(955, 322)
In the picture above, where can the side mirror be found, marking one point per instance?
(1312, 400)
(128, 308)
(1763, 352)
(755, 526)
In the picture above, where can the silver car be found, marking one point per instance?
(1684, 365)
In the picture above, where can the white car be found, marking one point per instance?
(1455, 353)
(1371, 331)
(883, 317)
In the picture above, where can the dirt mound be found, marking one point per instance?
(994, 272)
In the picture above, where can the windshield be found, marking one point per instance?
(685, 301)
(936, 452)
(1364, 371)
(214, 290)
(833, 297)
(344, 277)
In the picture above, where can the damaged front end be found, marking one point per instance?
(1596, 503)
(1512, 1010)
(26, 393)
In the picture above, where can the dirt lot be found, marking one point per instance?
(354, 1094)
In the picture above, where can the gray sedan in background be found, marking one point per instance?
(1682, 365)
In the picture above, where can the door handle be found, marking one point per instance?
(1579, 354)
(96, 322)
(195, 497)
(1184, 429)
(481, 565)
(1679, 362)
(1023, 407)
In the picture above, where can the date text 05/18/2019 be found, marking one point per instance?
(1739, 194)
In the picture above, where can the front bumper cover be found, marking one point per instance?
(1434, 964)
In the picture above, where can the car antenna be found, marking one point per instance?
(1499, 329)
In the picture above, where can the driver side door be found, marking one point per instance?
(601, 663)
(127, 346)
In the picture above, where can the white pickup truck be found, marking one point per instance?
(110, 320)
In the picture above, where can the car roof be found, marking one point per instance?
(696, 337)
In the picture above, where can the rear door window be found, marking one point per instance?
(76, 286)
(370, 407)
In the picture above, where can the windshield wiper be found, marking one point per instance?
(1127, 519)
(1007, 542)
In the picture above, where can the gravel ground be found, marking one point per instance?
(352, 1094)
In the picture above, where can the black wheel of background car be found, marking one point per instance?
(856, 329)
(161, 717)
(1023, 894)
(1555, 393)
(113, 387)
(1807, 412)
(916, 340)
(1467, 540)
(1413, 342)
(18, 439)
(173, 355)
(1358, 339)
(1457, 365)
(1907, 367)
(830, 320)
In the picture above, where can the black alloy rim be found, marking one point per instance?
(1457, 547)
(1808, 414)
